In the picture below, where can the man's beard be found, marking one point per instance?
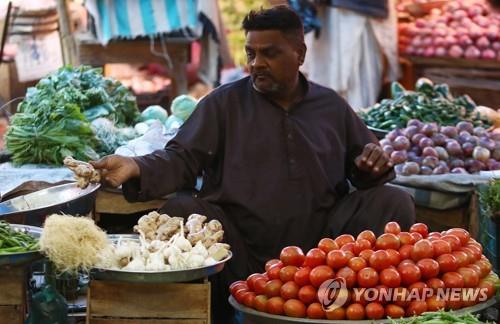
(273, 88)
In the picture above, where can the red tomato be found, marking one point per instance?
(416, 307)
(435, 284)
(471, 277)
(367, 235)
(383, 294)
(406, 238)
(410, 273)
(355, 312)
(394, 257)
(252, 278)
(367, 278)
(435, 234)
(319, 274)
(336, 259)
(405, 251)
(315, 257)
(315, 311)
(287, 273)
(349, 254)
(474, 267)
(374, 311)
(418, 286)
(294, 308)
(275, 305)
(394, 311)
(274, 271)
(401, 297)
(441, 247)
(301, 277)
(462, 234)
(447, 263)
(453, 304)
(237, 285)
(260, 303)
(248, 299)
(361, 245)
(307, 294)
(421, 250)
(392, 227)
(273, 287)
(240, 294)
(453, 280)
(390, 277)
(420, 228)
(259, 286)
(348, 247)
(407, 261)
(348, 274)
(289, 290)
(417, 236)
(461, 257)
(292, 255)
(271, 262)
(357, 263)
(336, 314)
(485, 267)
(474, 254)
(366, 254)
(453, 241)
(327, 245)
(429, 268)
(344, 239)
(387, 241)
(488, 286)
(379, 260)
(434, 303)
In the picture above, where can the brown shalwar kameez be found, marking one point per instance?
(274, 177)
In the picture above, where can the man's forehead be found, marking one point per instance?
(265, 38)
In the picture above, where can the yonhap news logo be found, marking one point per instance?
(333, 294)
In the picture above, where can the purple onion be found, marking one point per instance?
(442, 154)
(459, 171)
(439, 139)
(398, 168)
(384, 142)
(415, 122)
(495, 166)
(449, 131)
(480, 131)
(454, 148)
(410, 131)
(430, 161)
(496, 154)
(391, 136)
(441, 169)
(463, 137)
(401, 143)
(398, 157)
(474, 166)
(411, 168)
(415, 139)
(465, 126)
(425, 170)
(429, 129)
(494, 136)
(481, 154)
(388, 149)
(474, 140)
(429, 151)
(416, 150)
(468, 148)
(487, 143)
(425, 142)
(457, 163)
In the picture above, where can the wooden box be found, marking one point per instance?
(12, 295)
(134, 303)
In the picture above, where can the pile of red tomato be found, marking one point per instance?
(398, 260)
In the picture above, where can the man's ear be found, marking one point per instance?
(301, 52)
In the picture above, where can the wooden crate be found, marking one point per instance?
(12, 294)
(134, 303)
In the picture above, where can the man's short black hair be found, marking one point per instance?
(280, 18)
(495, 3)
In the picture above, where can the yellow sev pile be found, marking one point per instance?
(72, 243)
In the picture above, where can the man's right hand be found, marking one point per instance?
(116, 169)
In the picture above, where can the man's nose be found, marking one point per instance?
(258, 61)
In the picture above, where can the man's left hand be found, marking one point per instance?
(373, 160)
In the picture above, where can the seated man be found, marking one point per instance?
(277, 153)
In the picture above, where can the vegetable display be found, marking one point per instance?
(461, 29)
(395, 275)
(429, 149)
(440, 317)
(15, 241)
(429, 103)
(490, 199)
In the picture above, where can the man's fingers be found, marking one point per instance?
(100, 164)
(374, 156)
(366, 152)
(382, 164)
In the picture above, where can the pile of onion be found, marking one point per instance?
(461, 29)
(429, 149)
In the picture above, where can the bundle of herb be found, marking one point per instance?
(490, 199)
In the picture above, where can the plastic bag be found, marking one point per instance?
(154, 139)
(48, 306)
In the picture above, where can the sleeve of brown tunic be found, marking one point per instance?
(358, 135)
(177, 166)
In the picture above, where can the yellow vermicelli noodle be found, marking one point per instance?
(72, 243)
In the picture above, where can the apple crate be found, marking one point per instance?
(13, 283)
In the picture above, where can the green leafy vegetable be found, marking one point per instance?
(440, 317)
(490, 198)
(14, 241)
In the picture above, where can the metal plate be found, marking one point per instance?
(157, 276)
(379, 133)
(25, 257)
(34, 207)
(251, 316)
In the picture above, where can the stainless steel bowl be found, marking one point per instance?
(24, 257)
(156, 276)
(34, 207)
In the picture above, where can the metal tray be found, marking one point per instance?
(251, 316)
(34, 207)
(159, 276)
(25, 257)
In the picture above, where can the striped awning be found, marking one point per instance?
(134, 18)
